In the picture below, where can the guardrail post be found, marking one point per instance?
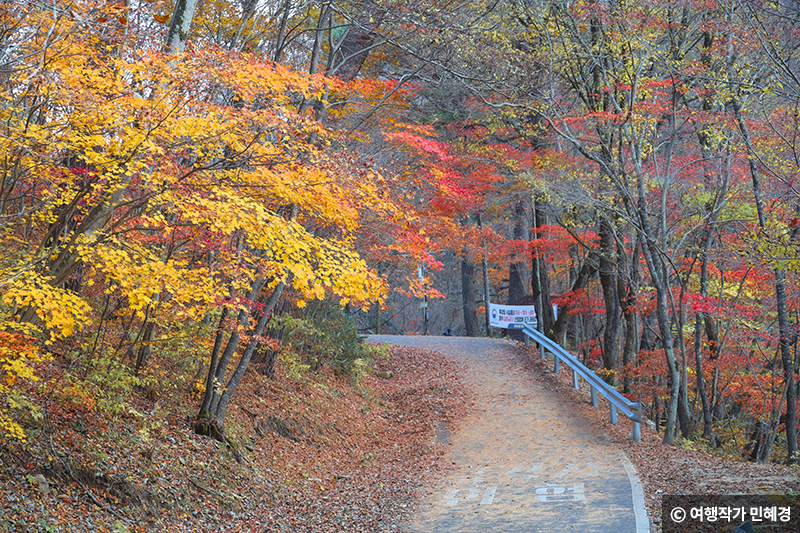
(631, 410)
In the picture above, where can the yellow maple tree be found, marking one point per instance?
(168, 184)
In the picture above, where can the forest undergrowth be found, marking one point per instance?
(319, 453)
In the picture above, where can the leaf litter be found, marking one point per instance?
(311, 455)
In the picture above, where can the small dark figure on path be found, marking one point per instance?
(448, 332)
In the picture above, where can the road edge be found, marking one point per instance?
(637, 495)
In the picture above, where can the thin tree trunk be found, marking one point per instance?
(685, 418)
(315, 51)
(468, 296)
(608, 281)
(485, 268)
(788, 366)
(205, 405)
(517, 270)
(540, 283)
(628, 304)
(780, 296)
(319, 35)
(586, 273)
(708, 427)
(233, 342)
(700, 321)
(279, 40)
(684, 413)
(659, 278)
(145, 346)
(244, 361)
(486, 294)
(246, 16)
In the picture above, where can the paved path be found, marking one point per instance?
(524, 463)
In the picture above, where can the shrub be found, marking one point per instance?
(324, 334)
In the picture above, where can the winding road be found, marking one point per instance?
(524, 462)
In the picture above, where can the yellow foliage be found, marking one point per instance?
(17, 354)
(173, 182)
(61, 311)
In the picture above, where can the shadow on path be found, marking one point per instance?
(524, 462)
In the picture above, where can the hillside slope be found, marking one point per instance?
(314, 454)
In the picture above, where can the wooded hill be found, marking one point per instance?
(196, 191)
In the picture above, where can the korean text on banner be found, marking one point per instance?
(511, 316)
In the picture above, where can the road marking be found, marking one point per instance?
(488, 496)
(555, 493)
(480, 494)
(520, 472)
(452, 495)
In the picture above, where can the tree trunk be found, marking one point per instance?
(540, 283)
(517, 270)
(210, 419)
(468, 295)
(486, 288)
(685, 418)
(218, 366)
(63, 256)
(205, 404)
(145, 347)
(608, 281)
(788, 366)
(313, 68)
(230, 348)
(586, 273)
(486, 294)
(249, 9)
(351, 52)
(659, 278)
(319, 35)
(780, 296)
(701, 319)
(708, 427)
(665, 330)
(628, 306)
(684, 413)
(279, 40)
(247, 354)
(179, 26)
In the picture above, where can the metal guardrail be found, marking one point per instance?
(631, 410)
